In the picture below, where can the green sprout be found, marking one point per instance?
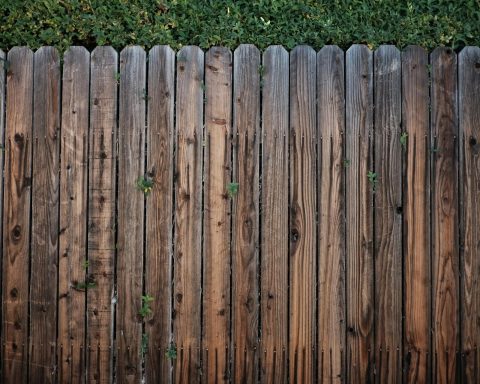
(145, 95)
(372, 178)
(145, 184)
(403, 140)
(85, 264)
(171, 353)
(145, 309)
(232, 189)
(83, 285)
(346, 163)
(144, 344)
(117, 77)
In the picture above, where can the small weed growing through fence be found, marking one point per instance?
(232, 189)
(171, 353)
(85, 264)
(372, 178)
(145, 96)
(403, 140)
(145, 184)
(144, 345)
(346, 163)
(83, 285)
(146, 310)
(117, 77)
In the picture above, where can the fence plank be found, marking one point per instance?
(101, 210)
(131, 162)
(303, 200)
(73, 210)
(245, 220)
(274, 236)
(158, 251)
(45, 229)
(417, 278)
(188, 213)
(331, 213)
(359, 208)
(469, 99)
(216, 247)
(388, 213)
(445, 212)
(16, 213)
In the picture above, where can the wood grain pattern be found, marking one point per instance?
(303, 199)
(416, 229)
(131, 163)
(45, 216)
(159, 210)
(73, 213)
(188, 213)
(245, 220)
(16, 214)
(388, 213)
(444, 131)
(331, 213)
(216, 246)
(274, 198)
(359, 213)
(469, 114)
(101, 211)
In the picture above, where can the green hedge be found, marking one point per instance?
(428, 23)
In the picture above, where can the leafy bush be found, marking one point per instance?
(206, 23)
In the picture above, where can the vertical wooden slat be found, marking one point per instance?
(274, 231)
(45, 229)
(331, 210)
(303, 199)
(388, 212)
(131, 162)
(101, 209)
(445, 212)
(73, 207)
(469, 100)
(16, 213)
(216, 246)
(188, 212)
(359, 212)
(416, 232)
(158, 257)
(245, 221)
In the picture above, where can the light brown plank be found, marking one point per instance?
(188, 213)
(245, 220)
(274, 198)
(216, 246)
(331, 214)
(101, 211)
(45, 215)
(444, 131)
(469, 100)
(158, 258)
(303, 201)
(388, 214)
(16, 214)
(359, 213)
(73, 213)
(131, 163)
(416, 229)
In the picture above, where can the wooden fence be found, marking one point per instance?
(313, 216)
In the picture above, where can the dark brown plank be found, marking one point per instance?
(444, 131)
(45, 215)
(158, 257)
(359, 213)
(331, 213)
(416, 229)
(469, 100)
(131, 163)
(245, 221)
(188, 213)
(101, 211)
(388, 213)
(216, 246)
(303, 201)
(73, 212)
(274, 198)
(16, 214)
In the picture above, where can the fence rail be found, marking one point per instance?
(240, 216)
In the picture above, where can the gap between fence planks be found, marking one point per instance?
(315, 261)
